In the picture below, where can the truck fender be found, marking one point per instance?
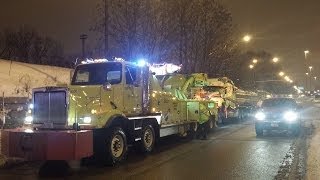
(117, 120)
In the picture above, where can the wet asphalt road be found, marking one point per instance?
(231, 152)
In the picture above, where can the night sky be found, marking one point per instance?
(283, 27)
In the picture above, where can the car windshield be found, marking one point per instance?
(97, 74)
(279, 102)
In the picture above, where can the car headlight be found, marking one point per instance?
(28, 120)
(87, 120)
(260, 116)
(31, 106)
(290, 116)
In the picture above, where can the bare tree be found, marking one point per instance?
(26, 45)
(194, 33)
(24, 86)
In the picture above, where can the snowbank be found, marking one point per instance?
(17, 79)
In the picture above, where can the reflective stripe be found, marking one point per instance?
(146, 117)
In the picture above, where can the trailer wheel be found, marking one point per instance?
(192, 132)
(147, 139)
(212, 123)
(116, 145)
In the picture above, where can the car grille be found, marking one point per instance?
(274, 116)
(50, 107)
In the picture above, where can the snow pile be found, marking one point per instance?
(17, 79)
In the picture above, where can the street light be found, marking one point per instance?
(246, 38)
(275, 59)
(307, 74)
(315, 78)
(251, 66)
(281, 73)
(255, 61)
(287, 78)
(310, 68)
(306, 52)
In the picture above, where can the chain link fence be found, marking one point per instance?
(12, 113)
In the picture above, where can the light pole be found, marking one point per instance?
(306, 52)
(307, 74)
(106, 28)
(83, 38)
(310, 69)
(251, 66)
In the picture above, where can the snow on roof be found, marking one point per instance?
(17, 79)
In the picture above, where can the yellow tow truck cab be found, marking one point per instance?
(107, 106)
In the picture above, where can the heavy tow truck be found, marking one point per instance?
(108, 106)
(233, 103)
(191, 87)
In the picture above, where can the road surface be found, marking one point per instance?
(231, 152)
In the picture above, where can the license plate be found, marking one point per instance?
(274, 125)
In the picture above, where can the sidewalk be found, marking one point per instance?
(313, 157)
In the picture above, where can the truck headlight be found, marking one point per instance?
(87, 120)
(260, 116)
(28, 120)
(290, 116)
(31, 106)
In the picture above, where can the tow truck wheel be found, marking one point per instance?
(211, 124)
(222, 117)
(117, 145)
(192, 132)
(148, 139)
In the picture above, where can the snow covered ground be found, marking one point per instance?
(17, 79)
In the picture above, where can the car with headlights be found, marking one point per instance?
(278, 114)
(316, 98)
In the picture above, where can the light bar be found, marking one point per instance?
(163, 69)
(87, 61)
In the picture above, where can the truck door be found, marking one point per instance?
(132, 91)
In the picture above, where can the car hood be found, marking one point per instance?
(277, 109)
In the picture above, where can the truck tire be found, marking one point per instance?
(148, 139)
(116, 146)
(212, 122)
(222, 118)
(192, 133)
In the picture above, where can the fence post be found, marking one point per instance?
(3, 113)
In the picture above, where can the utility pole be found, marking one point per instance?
(106, 28)
(83, 38)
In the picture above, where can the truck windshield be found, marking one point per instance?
(97, 74)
